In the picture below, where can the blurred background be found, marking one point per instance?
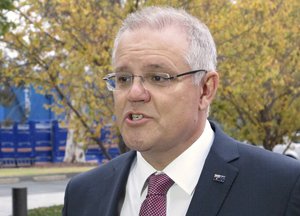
(54, 105)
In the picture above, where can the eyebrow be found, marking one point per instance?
(157, 67)
(121, 69)
(151, 66)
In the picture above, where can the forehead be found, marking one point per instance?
(154, 48)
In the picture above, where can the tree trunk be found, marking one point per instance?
(74, 152)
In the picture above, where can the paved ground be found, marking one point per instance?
(42, 191)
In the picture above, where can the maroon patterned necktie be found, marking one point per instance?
(156, 199)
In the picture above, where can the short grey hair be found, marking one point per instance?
(201, 53)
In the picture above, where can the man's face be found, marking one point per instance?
(157, 121)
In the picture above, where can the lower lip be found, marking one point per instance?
(137, 122)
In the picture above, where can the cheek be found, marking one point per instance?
(186, 109)
(175, 109)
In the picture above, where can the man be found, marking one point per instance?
(163, 83)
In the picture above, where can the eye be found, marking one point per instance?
(123, 78)
(158, 77)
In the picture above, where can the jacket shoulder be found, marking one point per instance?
(104, 171)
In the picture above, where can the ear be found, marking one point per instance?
(209, 87)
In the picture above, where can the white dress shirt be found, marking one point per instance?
(185, 171)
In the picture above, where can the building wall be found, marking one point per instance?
(28, 105)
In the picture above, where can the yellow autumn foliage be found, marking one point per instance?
(64, 48)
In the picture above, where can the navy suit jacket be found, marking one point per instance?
(257, 183)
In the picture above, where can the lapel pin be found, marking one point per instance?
(219, 178)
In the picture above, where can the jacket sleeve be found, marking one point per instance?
(293, 207)
(65, 207)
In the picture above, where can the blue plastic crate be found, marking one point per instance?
(7, 141)
(93, 150)
(42, 159)
(113, 152)
(58, 156)
(23, 143)
(7, 151)
(59, 137)
(41, 133)
(58, 159)
(58, 153)
(94, 158)
(23, 161)
(8, 162)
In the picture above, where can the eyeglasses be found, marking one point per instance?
(123, 81)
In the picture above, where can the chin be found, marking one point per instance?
(135, 144)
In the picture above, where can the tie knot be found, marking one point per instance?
(159, 184)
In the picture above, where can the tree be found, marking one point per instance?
(5, 6)
(258, 54)
(258, 43)
(6, 95)
(63, 48)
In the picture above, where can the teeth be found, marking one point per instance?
(136, 117)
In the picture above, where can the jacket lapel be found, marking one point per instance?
(217, 177)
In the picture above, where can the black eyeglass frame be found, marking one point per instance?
(187, 73)
(108, 76)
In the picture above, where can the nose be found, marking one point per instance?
(137, 91)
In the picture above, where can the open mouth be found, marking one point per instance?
(136, 117)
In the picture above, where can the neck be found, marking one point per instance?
(160, 160)
(158, 163)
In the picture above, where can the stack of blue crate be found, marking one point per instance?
(109, 141)
(7, 146)
(113, 152)
(45, 142)
(23, 145)
(59, 138)
(42, 142)
(93, 154)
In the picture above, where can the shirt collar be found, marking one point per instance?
(190, 163)
(141, 170)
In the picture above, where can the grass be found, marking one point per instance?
(29, 171)
(47, 211)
